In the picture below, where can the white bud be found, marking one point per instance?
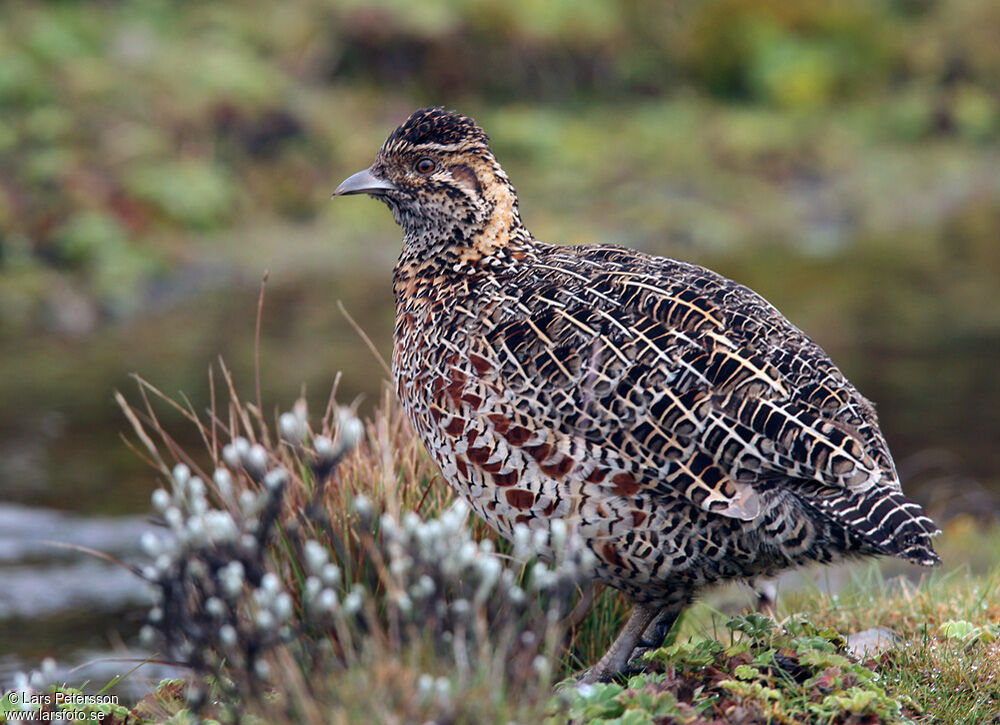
(316, 556)
(256, 459)
(363, 506)
(461, 508)
(249, 543)
(147, 636)
(270, 583)
(265, 620)
(231, 578)
(262, 669)
(388, 526)
(199, 505)
(161, 500)
(248, 503)
(231, 455)
(539, 541)
(195, 486)
(174, 518)
(331, 575)
(351, 430)
(541, 576)
(411, 522)
(219, 526)
(489, 571)
(224, 483)
(275, 479)
(155, 615)
(196, 529)
(215, 607)
(559, 532)
(328, 600)
(324, 447)
(227, 635)
(522, 541)
(283, 608)
(181, 474)
(353, 601)
(467, 553)
(291, 428)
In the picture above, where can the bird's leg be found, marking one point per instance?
(615, 659)
(656, 633)
(653, 638)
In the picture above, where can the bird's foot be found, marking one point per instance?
(615, 660)
(656, 633)
(637, 663)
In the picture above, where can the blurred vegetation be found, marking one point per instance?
(130, 129)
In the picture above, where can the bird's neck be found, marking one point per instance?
(471, 237)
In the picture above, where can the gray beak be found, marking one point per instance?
(363, 182)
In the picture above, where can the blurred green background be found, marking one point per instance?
(157, 156)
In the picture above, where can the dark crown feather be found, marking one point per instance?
(437, 125)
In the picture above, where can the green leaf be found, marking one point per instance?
(746, 672)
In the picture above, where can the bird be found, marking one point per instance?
(671, 418)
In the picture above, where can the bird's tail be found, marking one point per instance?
(884, 519)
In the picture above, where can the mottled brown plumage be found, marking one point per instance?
(671, 417)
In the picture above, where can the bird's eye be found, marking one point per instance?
(425, 166)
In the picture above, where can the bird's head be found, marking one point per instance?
(437, 174)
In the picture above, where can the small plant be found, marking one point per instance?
(967, 633)
(273, 580)
(768, 673)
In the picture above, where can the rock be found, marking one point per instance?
(871, 642)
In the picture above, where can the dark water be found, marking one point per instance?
(65, 474)
(57, 600)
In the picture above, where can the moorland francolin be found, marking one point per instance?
(672, 418)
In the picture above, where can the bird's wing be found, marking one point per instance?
(682, 378)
